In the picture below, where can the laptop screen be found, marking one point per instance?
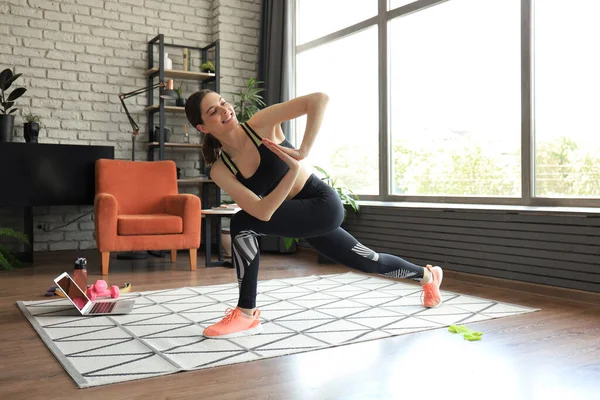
(70, 288)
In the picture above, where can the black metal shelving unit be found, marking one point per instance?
(206, 80)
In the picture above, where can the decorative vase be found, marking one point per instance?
(157, 134)
(7, 123)
(168, 62)
(31, 132)
(180, 102)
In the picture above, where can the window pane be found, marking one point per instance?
(455, 100)
(317, 18)
(347, 145)
(567, 83)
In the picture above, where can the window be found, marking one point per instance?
(348, 143)
(461, 80)
(455, 108)
(316, 18)
(566, 102)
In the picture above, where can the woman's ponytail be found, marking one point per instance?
(211, 147)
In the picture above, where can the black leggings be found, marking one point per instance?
(315, 214)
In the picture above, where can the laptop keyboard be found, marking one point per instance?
(102, 307)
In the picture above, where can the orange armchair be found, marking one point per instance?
(138, 207)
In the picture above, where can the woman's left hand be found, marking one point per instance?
(295, 153)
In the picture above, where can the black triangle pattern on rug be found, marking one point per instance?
(163, 334)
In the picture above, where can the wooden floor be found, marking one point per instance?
(551, 354)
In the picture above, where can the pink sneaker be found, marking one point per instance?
(235, 324)
(431, 296)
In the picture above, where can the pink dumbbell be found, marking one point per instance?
(100, 289)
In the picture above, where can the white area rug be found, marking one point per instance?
(163, 335)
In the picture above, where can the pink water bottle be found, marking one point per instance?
(80, 273)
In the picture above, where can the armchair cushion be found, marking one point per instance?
(149, 224)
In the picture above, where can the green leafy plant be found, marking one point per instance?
(7, 260)
(33, 118)
(31, 128)
(8, 100)
(207, 67)
(179, 91)
(347, 196)
(289, 241)
(249, 102)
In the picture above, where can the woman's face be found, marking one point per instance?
(217, 114)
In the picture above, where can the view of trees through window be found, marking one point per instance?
(566, 87)
(348, 138)
(455, 100)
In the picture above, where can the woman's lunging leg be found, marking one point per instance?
(343, 248)
(337, 245)
(294, 218)
(246, 259)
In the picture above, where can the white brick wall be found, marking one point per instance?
(237, 22)
(77, 55)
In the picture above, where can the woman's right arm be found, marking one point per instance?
(264, 208)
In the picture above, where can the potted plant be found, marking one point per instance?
(180, 101)
(207, 67)
(7, 260)
(31, 128)
(156, 136)
(250, 101)
(7, 100)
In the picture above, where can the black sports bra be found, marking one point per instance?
(271, 169)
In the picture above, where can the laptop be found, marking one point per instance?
(85, 305)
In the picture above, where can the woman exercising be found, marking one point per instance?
(261, 171)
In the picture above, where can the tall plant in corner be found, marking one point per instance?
(7, 100)
(249, 102)
(7, 260)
